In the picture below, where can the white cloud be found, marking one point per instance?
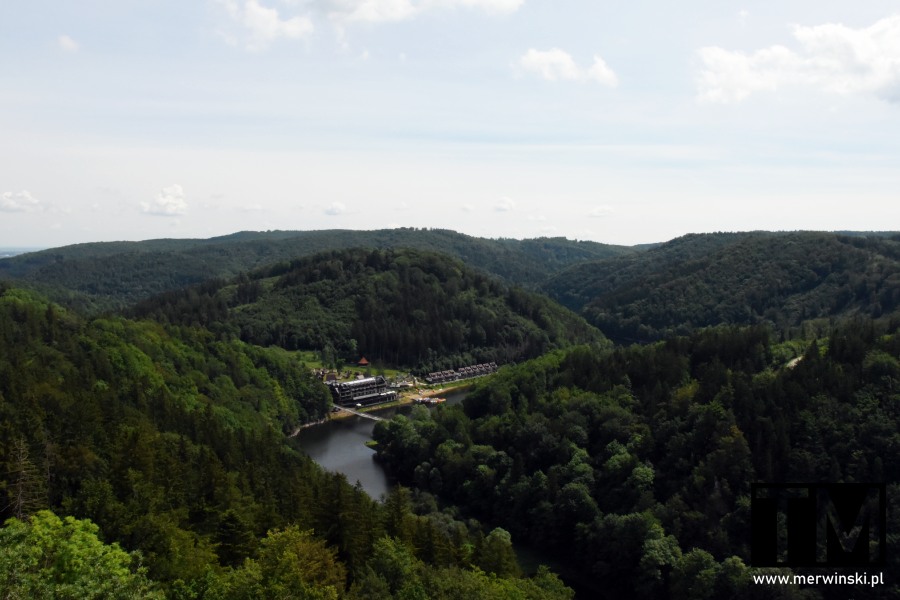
(550, 64)
(505, 204)
(18, 202)
(335, 209)
(601, 211)
(169, 202)
(601, 73)
(372, 11)
(831, 57)
(488, 6)
(556, 65)
(264, 25)
(382, 11)
(67, 44)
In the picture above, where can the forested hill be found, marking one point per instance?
(114, 274)
(399, 307)
(635, 466)
(784, 279)
(171, 443)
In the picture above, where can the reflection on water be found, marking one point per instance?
(339, 445)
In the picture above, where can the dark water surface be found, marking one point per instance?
(339, 445)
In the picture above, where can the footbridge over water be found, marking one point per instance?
(361, 414)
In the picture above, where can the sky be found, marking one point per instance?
(617, 122)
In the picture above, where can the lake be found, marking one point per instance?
(340, 445)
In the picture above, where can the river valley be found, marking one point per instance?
(339, 445)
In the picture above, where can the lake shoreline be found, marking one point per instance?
(339, 444)
(404, 399)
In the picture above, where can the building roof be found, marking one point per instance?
(361, 382)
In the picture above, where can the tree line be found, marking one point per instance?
(115, 275)
(138, 460)
(785, 280)
(406, 308)
(634, 465)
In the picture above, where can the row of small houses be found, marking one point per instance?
(462, 373)
(375, 390)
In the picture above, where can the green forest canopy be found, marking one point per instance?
(399, 307)
(634, 465)
(113, 275)
(170, 443)
(785, 280)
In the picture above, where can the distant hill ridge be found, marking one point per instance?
(400, 307)
(116, 274)
(697, 280)
(638, 293)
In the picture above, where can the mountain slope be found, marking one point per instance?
(402, 307)
(170, 442)
(742, 278)
(634, 467)
(149, 432)
(115, 274)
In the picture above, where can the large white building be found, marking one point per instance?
(370, 390)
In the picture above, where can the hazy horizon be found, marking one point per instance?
(9, 251)
(622, 124)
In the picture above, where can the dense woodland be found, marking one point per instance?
(401, 307)
(146, 451)
(699, 280)
(634, 465)
(113, 275)
(633, 294)
(171, 443)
